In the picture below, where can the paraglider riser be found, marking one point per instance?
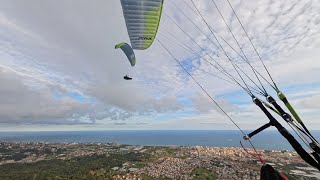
(286, 134)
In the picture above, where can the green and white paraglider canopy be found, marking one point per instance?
(142, 19)
(126, 48)
(128, 51)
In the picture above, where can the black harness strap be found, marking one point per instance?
(286, 134)
(288, 118)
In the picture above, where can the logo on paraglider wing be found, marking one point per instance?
(145, 38)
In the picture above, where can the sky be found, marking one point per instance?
(59, 69)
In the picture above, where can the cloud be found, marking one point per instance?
(134, 99)
(204, 104)
(58, 64)
(311, 102)
(62, 53)
(21, 104)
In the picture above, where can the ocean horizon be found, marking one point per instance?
(268, 140)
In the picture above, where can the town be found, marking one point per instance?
(20, 160)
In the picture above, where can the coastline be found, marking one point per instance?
(269, 140)
(120, 161)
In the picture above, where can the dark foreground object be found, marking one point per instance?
(269, 173)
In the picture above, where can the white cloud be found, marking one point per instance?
(67, 48)
(21, 104)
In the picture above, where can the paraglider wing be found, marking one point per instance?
(142, 19)
(126, 48)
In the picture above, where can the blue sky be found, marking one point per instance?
(59, 69)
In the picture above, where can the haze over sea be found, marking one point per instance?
(220, 138)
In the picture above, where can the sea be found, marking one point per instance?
(268, 140)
